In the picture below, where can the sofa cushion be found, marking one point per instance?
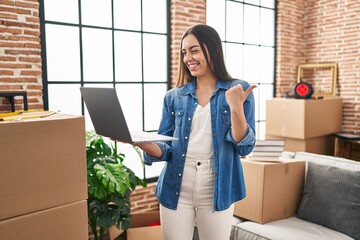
(289, 228)
(324, 160)
(331, 198)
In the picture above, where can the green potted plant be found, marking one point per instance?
(110, 184)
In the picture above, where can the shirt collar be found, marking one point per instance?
(190, 87)
(222, 84)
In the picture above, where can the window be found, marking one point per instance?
(247, 29)
(109, 43)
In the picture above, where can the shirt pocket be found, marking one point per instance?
(179, 116)
(225, 112)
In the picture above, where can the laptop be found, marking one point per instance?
(108, 118)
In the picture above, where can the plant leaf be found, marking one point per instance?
(113, 177)
(110, 184)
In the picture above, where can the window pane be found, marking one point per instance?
(257, 2)
(153, 98)
(97, 55)
(267, 26)
(154, 170)
(215, 16)
(130, 97)
(234, 22)
(54, 11)
(128, 57)
(265, 92)
(155, 58)
(268, 3)
(267, 67)
(65, 97)
(127, 14)
(63, 53)
(251, 65)
(96, 13)
(132, 159)
(251, 24)
(234, 60)
(154, 16)
(261, 131)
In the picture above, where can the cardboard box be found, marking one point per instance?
(65, 222)
(140, 229)
(319, 145)
(43, 164)
(303, 118)
(274, 190)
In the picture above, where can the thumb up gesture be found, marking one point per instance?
(236, 95)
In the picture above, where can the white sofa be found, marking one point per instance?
(329, 208)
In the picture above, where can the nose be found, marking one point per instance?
(186, 57)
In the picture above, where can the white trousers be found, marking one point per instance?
(196, 207)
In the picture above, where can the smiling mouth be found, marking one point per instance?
(192, 66)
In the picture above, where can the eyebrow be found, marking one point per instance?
(190, 47)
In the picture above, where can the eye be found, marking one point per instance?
(194, 51)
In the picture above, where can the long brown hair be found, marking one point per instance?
(208, 39)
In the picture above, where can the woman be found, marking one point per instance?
(213, 117)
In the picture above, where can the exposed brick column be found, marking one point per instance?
(183, 15)
(290, 43)
(20, 52)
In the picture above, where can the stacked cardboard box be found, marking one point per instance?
(305, 124)
(43, 185)
(144, 226)
(273, 190)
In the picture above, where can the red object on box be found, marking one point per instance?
(154, 224)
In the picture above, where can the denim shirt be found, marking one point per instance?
(178, 110)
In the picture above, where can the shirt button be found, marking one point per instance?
(189, 119)
(177, 193)
(225, 111)
(183, 155)
(179, 113)
(198, 163)
(186, 137)
(172, 113)
(179, 174)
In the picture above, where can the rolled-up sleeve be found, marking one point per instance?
(246, 145)
(166, 153)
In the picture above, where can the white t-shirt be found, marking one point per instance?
(200, 141)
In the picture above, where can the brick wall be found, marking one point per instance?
(314, 31)
(144, 200)
(20, 52)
